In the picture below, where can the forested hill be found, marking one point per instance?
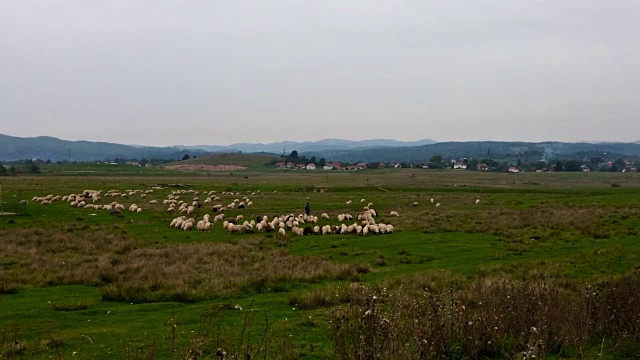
(50, 148)
(54, 149)
(480, 149)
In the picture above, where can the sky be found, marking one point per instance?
(217, 72)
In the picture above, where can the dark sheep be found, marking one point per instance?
(233, 221)
(241, 206)
(307, 230)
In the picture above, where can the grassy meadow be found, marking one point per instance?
(527, 265)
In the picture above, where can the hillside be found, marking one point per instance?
(54, 149)
(307, 146)
(478, 149)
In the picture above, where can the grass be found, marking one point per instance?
(236, 159)
(68, 274)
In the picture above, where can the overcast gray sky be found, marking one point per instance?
(218, 72)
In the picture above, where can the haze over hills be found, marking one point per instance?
(380, 150)
(308, 146)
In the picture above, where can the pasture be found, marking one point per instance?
(89, 283)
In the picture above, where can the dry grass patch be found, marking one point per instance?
(128, 270)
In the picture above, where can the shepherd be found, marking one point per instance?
(307, 209)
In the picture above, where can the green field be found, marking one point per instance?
(88, 283)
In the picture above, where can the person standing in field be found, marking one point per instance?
(307, 209)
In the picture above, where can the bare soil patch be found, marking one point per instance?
(204, 167)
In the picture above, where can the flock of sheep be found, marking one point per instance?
(300, 225)
(187, 202)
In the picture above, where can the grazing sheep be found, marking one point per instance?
(153, 202)
(415, 203)
(438, 204)
(139, 210)
(362, 200)
(325, 216)
(281, 232)
(349, 202)
(477, 201)
(394, 213)
(432, 200)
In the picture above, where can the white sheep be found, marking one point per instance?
(394, 213)
(325, 216)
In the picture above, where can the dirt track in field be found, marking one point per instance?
(203, 167)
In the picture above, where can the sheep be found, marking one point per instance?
(477, 201)
(365, 230)
(153, 202)
(415, 203)
(281, 232)
(349, 202)
(23, 202)
(394, 213)
(438, 204)
(362, 200)
(187, 225)
(325, 216)
(139, 210)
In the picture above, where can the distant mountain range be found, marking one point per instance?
(54, 149)
(308, 146)
(378, 150)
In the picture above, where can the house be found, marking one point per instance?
(279, 165)
(585, 168)
(381, 166)
(482, 167)
(311, 166)
(460, 166)
(361, 166)
(513, 169)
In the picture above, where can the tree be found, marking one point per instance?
(3, 170)
(596, 160)
(435, 161)
(322, 161)
(293, 157)
(12, 170)
(185, 157)
(558, 166)
(572, 165)
(34, 169)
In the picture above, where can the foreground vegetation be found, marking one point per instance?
(508, 266)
